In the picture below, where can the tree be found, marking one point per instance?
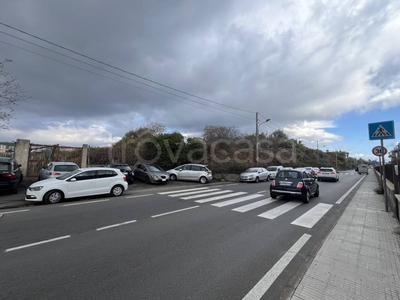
(10, 95)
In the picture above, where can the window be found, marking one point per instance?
(196, 168)
(65, 168)
(86, 175)
(5, 167)
(106, 174)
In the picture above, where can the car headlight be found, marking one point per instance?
(251, 176)
(35, 188)
(156, 177)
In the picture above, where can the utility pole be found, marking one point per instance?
(256, 139)
(317, 155)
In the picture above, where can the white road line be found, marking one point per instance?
(13, 212)
(38, 243)
(206, 194)
(192, 193)
(231, 184)
(349, 191)
(237, 200)
(116, 225)
(221, 197)
(280, 210)
(175, 211)
(139, 196)
(254, 205)
(310, 218)
(261, 192)
(172, 192)
(265, 283)
(88, 202)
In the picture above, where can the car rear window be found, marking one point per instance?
(65, 168)
(288, 174)
(5, 167)
(271, 168)
(326, 170)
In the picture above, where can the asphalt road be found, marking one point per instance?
(159, 244)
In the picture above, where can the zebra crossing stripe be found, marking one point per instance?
(237, 200)
(254, 205)
(192, 193)
(221, 197)
(280, 210)
(310, 218)
(188, 190)
(206, 194)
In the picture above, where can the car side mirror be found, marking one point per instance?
(180, 170)
(19, 166)
(72, 179)
(337, 172)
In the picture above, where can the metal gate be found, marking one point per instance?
(41, 155)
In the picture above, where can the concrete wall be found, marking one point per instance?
(22, 154)
(393, 198)
(84, 155)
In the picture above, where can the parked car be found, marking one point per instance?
(150, 173)
(254, 175)
(78, 183)
(329, 174)
(311, 171)
(10, 174)
(273, 170)
(192, 172)
(125, 169)
(57, 168)
(294, 183)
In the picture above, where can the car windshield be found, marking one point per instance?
(127, 168)
(154, 168)
(65, 176)
(271, 168)
(251, 170)
(326, 170)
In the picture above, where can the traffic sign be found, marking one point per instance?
(379, 151)
(381, 130)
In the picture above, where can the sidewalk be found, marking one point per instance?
(360, 258)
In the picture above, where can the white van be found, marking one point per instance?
(272, 170)
(362, 169)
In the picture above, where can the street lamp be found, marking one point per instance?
(257, 126)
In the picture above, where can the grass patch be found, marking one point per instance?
(378, 190)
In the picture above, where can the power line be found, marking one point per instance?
(121, 70)
(223, 111)
(128, 78)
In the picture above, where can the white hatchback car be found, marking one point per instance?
(79, 183)
(328, 174)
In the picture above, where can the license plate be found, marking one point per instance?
(325, 173)
(164, 179)
(285, 183)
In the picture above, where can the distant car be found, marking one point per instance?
(57, 168)
(362, 169)
(125, 169)
(311, 171)
(10, 174)
(255, 175)
(191, 172)
(329, 174)
(273, 170)
(79, 183)
(294, 183)
(150, 173)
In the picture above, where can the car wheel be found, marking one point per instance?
(117, 190)
(257, 180)
(306, 197)
(14, 190)
(273, 195)
(337, 179)
(53, 197)
(203, 180)
(130, 180)
(316, 194)
(147, 179)
(21, 178)
(172, 177)
(267, 178)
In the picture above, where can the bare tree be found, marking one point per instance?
(10, 95)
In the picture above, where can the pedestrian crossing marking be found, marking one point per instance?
(192, 193)
(237, 200)
(381, 131)
(280, 210)
(188, 190)
(206, 194)
(220, 197)
(254, 205)
(311, 217)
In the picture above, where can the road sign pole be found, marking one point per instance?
(384, 181)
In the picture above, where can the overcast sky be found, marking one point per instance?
(320, 70)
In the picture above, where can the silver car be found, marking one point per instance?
(255, 175)
(191, 172)
(57, 168)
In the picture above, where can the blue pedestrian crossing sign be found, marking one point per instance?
(381, 130)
